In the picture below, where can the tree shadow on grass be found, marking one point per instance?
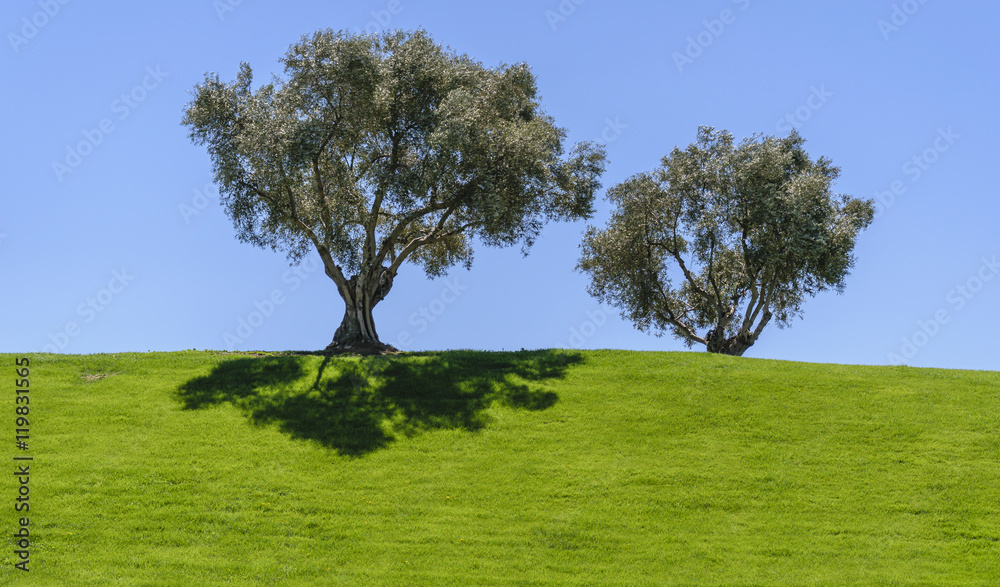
(358, 405)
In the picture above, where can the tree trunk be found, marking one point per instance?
(356, 332)
(734, 345)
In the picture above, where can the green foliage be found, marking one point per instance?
(202, 468)
(724, 237)
(377, 149)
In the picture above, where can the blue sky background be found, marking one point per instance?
(129, 250)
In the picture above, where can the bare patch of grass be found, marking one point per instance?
(91, 377)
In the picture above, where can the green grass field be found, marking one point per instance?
(525, 468)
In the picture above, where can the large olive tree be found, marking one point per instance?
(724, 238)
(375, 150)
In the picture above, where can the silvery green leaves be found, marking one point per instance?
(375, 150)
(723, 238)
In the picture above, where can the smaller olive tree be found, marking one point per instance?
(723, 239)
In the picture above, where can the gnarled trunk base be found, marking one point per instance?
(717, 342)
(361, 348)
(730, 346)
(734, 346)
(356, 334)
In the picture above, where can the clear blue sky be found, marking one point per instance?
(125, 248)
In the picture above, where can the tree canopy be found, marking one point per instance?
(375, 150)
(724, 238)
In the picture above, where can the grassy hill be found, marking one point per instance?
(527, 468)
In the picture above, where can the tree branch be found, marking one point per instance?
(690, 277)
(684, 328)
(324, 205)
(376, 208)
(671, 317)
(750, 314)
(390, 240)
(680, 261)
(711, 280)
(426, 239)
(763, 303)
